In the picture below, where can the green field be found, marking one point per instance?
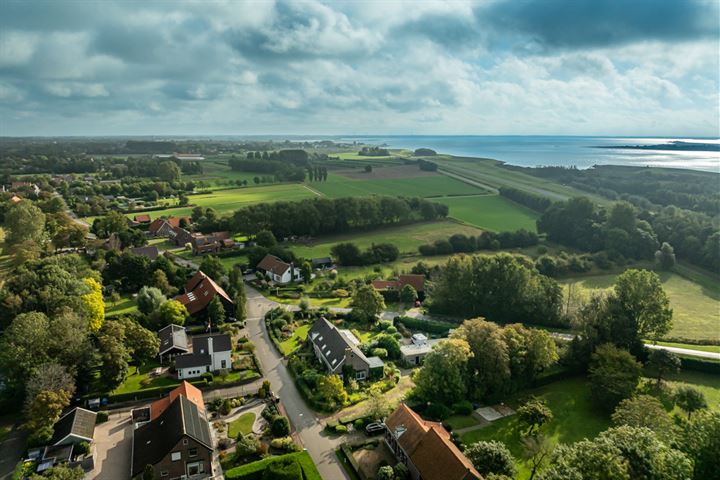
(125, 305)
(215, 171)
(490, 212)
(243, 424)
(291, 344)
(696, 309)
(421, 186)
(407, 238)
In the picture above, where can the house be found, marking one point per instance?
(149, 251)
(15, 199)
(17, 185)
(324, 263)
(77, 425)
(177, 443)
(280, 272)
(414, 353)
(199, 292)
(212, 242)
(426, 448)
(210, 353)
(161, 227)
(338, 351)
(142, 218)
(173, 341)
(417, 281)
(180, 236)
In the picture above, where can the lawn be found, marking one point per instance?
(490, 212)
(416, 186)
(461, 421)
(252, 470)
(696, 309)
(124, 306)
(406, 237)
(707, 383)
(243, 424)
(290, 344)
(574, 418)
(133, 382)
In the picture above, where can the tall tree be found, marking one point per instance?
(614, 375)
(441, 379)
(491, 457)
(662, 362)
(212, 267)
(149, 299)
(367, 303)
(690, 399)
(94, 304)
(169, 171)
(142, 344)
(640, 299)
(114, 354)
(25, 222)
(216, 311)
(643, 411)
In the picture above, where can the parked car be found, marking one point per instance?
(374, 429)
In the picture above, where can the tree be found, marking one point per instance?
(640, 299)
(23, 346)
(216, 311)
(620, 453)
(246, 445)
(168, 171)
(408, 295)
(491, 457)
(212, 267)
(160, 281)
(24, 222)
(49, 377)
(535, 413)
(665, 257)
(663, 361)
(183, 200)
(149, 473)
(643, 411)
(44, 409)
(536, 452)
(331, 389)
(690, 399)
(367, 303)
(60, 472)
(389, 343)
(142, 344)
(699, 438)
(614, 375)
(306, 272)
(280, 426)
(114, 354)
(94, 304)
(265, 238)
(170, 312)
(113, 222)
(377, 406)
(149, 299)
(442, 376)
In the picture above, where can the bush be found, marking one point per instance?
(463, 408)
(225, 407)
(224, 443)
(102, 416)
(280, 426)
(246, 445)
(82, 448)
(208, 377)
(438, 411)
(285, 443)
(283, 469)
(342, 429)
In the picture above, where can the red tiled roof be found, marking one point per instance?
(155, 225)
(175, 221)
(384, 284)
(430, 447)
(142, 218)
(416, 280)
(273, 264)
(185, 389)
(199, 292)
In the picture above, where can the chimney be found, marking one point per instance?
(210, 346)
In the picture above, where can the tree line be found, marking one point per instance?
(530, 200)
(460, 243)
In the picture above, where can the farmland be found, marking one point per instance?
(490, 212)
(695, 308)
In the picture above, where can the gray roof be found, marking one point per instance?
(221, 343)
(172, 336)
(149, 251)
(332, 343)
(77, 422)
(155, 440)
(375, 362)
(192, 360)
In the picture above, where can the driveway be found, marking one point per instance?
(308, 426)
(12, 448)
(113, 443)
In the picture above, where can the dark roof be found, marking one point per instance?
(149, 251)
(155, 440)
(192, 360)
(322, 261)
(221, 343)
(271, 263)
(332, 343)
(78, 422)
(172, 336)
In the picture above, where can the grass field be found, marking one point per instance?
(696, 309)
(133, 382)
(421, 186)
(215, 171)
(490, 212)
(123, 306)
(407, 237)
(243, 424)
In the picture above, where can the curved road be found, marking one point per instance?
(308, 426)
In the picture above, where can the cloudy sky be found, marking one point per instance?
(640, 67)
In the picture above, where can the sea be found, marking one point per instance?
(581, 152)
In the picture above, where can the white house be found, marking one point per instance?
(211, 353)
(279, 271)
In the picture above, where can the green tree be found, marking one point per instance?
(377, 407)
(246, 445)
(535, 413)
(690, 399)
(168, 171)
(24, 222)
(280, 426)
(443, 373)
(408, 295)
(536, 452)
(665, 257)
(491, 457)
(265, 238)
(216, 311)
(24, 345)
(640, 299)
(699, 438)
(614, 376)
(60, 472)
(388, 343)
(662, 362)
(331, 389)
(149, 473)
(306, 272)
(149, 299)
(113, 222)
(161, 282)
(170, 312)
(44, 409)
(114, 354)
(643, 411)
(367, 303)
(212, 267)
(142, 344)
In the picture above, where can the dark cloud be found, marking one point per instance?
(130, 43)
(601, 23)
(447, 30)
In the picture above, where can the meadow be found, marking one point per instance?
(490, 212)
(696, 308)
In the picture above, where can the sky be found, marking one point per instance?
(496, 67)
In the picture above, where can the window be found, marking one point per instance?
(175, 456)
(223, 364)
(164, 473)
(192, 452)
(360, 375)
(185, 441)
(195, 468)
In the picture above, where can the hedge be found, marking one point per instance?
(430, 326)
(700, 364)
(254, 471)
(150, 392)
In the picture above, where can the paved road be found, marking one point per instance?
(685, 351)
(319, 445)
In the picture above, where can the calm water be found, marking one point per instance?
(531, 151)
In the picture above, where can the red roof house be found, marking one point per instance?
(199, 292)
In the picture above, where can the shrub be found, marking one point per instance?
(224, 443)
(341, 429)
(438, 411)
(225, 407)
(82, 448)
(102, 416)
(462, 408)
(283, 469)
(286, 444)
(208, 377)
(246, 445)
(280, 426)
